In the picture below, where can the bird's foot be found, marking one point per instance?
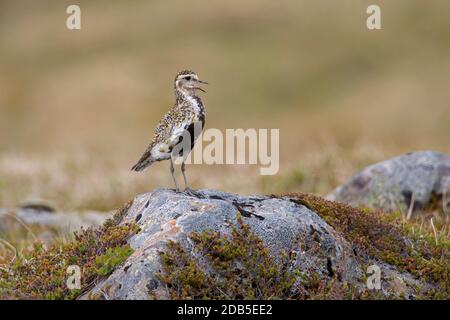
(192, 193)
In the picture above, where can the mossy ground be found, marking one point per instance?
(40, 273)
(389, 238)
(239, 266)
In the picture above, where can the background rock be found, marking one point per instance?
(391, 184)
(46, 219)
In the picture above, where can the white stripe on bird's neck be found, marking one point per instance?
(194, 103)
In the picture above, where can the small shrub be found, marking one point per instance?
(42, 274)
(387, 237)
(240, 268)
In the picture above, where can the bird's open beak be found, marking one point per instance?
(201, 82)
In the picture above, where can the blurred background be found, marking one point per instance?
(78, 107)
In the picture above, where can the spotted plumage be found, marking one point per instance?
(187, 113)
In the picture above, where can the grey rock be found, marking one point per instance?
(165, 215)
(63, 222)
(393, 184)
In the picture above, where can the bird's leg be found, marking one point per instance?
(188, 190)
(183, 168)
(172, 171)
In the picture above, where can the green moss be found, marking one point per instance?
(107, 262)
(41, 273)
(388, 238)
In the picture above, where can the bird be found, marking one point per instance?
(182, 123)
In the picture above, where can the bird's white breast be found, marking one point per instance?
(194, 104)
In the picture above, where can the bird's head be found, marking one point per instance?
(187, 82)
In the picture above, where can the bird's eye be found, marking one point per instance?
(188, 78)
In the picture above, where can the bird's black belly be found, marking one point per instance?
(191, 131)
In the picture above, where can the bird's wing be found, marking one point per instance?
(166, 135)
(160, 134)
(176, 131)
(170, 128)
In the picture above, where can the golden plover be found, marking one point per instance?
(186, 116)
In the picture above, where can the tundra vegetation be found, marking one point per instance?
(238, 266)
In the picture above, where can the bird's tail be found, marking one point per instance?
(145, 161)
